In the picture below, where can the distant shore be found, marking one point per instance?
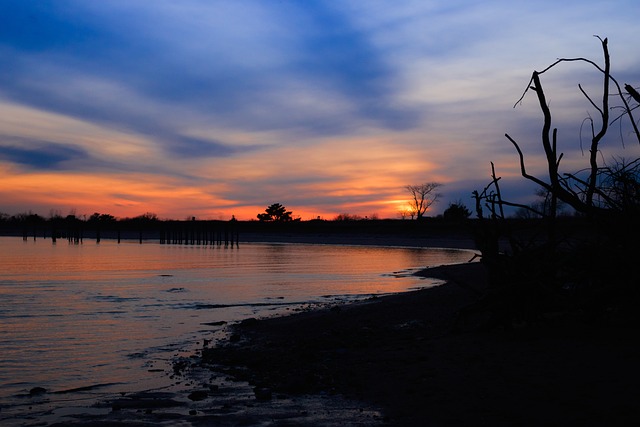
(461, 239)
(426, 233)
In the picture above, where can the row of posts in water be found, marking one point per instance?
(168, 235)
(204, 236)
(73, 236)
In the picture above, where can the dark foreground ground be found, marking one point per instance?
(399, 353)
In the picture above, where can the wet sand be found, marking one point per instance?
(400, 355)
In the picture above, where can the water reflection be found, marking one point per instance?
(71, 315)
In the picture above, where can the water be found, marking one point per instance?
(107, 315)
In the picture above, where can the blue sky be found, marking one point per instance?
(220, 108)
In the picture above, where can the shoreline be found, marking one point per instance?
(46, 409)
(393, 360)
(223, 395)
(398, 353)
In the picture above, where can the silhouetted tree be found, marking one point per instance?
(533, 272)
(101, 218)
(404, 213)
(147, 217)
(275, 213)
(583, 191)
(423, 196)
(456, 212)
(347, 217)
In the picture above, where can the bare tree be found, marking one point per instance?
(423, 196)
(582, 191)
(405, 212)
(530, 270)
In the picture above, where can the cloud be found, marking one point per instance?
(331, 105)
(39, 154)
(179, 60)
(187, 147)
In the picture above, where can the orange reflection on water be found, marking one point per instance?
(76, 315)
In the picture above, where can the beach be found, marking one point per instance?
(401, 354)
(407, 359)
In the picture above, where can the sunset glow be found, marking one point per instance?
(213, 109)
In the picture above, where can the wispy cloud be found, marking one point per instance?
(327, 107)
(38, 154)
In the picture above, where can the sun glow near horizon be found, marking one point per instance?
(327, 108)
(136, 194)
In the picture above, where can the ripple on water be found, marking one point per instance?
(101, 314)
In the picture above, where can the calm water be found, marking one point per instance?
(97, 314)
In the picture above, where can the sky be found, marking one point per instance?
(213, 108)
